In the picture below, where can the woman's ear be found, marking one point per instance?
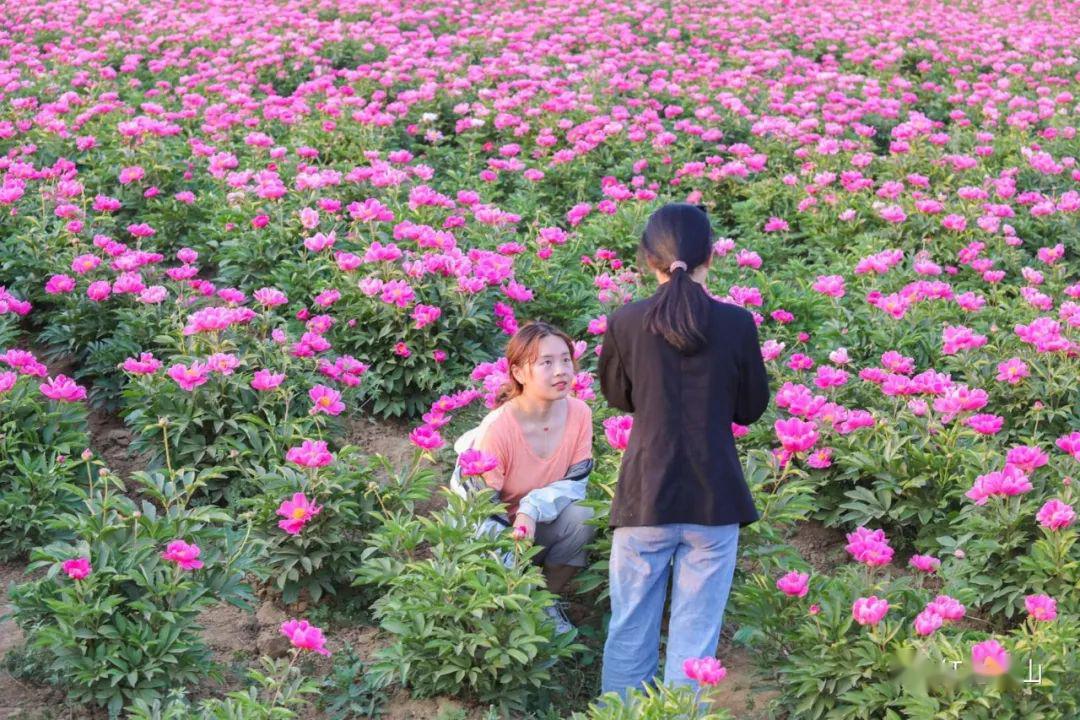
(518, 373)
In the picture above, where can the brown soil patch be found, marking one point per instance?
(822, 547)
(111, 440)
(744, 692)
(389, 438)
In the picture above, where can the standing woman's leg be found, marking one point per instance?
(638, 570)
(703, 571)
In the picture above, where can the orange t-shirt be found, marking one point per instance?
(520, 470)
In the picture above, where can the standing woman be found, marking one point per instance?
(686, 366)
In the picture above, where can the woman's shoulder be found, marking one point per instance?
(578, 408)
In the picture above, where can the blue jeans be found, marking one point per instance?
(641, 561)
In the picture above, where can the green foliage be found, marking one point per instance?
(129, 630)
(40, 440)
(463, 622)
(276, 692)
(660, 702)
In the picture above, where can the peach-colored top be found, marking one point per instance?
(520, 469)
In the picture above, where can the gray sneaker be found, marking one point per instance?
(558, 616)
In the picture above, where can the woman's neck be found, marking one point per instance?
(532, 408)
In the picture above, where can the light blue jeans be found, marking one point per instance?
(700, 559)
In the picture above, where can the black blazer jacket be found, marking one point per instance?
(680, 465)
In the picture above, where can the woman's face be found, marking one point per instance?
(551, 375)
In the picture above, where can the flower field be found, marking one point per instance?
(238, 242)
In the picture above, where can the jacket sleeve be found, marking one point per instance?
(614, 384)
(544, 504)
(753, 396)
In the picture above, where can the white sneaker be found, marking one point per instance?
(558, 616)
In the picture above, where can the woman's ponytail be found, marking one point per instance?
(678, 239)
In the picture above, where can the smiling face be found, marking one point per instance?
(550, 376)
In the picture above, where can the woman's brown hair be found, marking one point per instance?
(523, 349)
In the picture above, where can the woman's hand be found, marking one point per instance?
(521, 520)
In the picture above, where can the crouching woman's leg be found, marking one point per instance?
(565, 539)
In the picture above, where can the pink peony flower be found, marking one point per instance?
(1012, 371)
(924, 563)
(476, 462)
(947, 607)
(989, 658)
(706, 671)
(7, 380)
(267, 380)
(1027, 458)
(304, 636)
(617, 431)
(831, 285)
(1005, 483)
(927, 622)
(794, 584)
(59, 284)
(985, 423)
(77, 568)
(1041, 607)
(796, 435)
(184, 555)
(869, 547)
(325, 400)
(62, 389)
(426, 438)
(270, 297)
(146, 364)
(1055, 515)
(869, 611)
(310, 454)
(189, 378)
(297, 512)
(1070, 444)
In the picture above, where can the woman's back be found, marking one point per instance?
(681, 464)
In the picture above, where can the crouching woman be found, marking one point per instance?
(541, 437)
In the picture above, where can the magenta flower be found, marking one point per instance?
(1012, 370)
(59, 284)
(476, 462)
(1070, 444)
(706, 671)
(1004, 483)
(270, 297)
(297, 512)
(77, 568)
(869, 611)
(831, 285)
(325, 400)
(1027, 458)
(426, 438)
(775, 224)
(62, 389)
(927, 622)
(7, 380)
(989, 658)
(869, 547)
(924, 563)
(1055, 515)
(947, 607)
(304, 636)
(184, 555)
(1041, 607)
(310, 454)
(267, 380)
(985, 423)
(617, 431)
(189, 378)
(794, 584)
(796, 435)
